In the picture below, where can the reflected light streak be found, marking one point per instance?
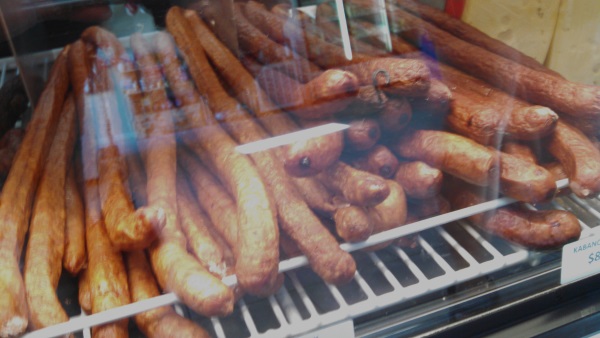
(290, 138)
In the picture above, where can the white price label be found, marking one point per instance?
(340, 329)
(580, 259)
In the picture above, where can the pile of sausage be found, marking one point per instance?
(128, 174)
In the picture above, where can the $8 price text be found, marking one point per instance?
(594, 257)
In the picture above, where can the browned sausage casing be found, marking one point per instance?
(84, 295)
(356, 186)
(395, 115)
(403, 77)
(237, 171)
(546, 229)
(520, 150)
(329, 92)
(419, 179)
(362, 134)
(328, 28)
(269, 52)
(352, 223)
(525, 181)
(128, 228)
(310, 156)
(176, 269)
(213, 197)
(45, 249)
(75, 256)
(107, 275)
(194, 225)
(315, 194)
(579, 158)
(428, 207)
(389, 214)
(470, 33)
(369, 100)
(162, 321)
(305, 43)
(379, 161)
(19, 189)
(535, 86)
(326, 258)
(257, 264)
(105, 278)
(487, 120)
(243, 85)
(435, 101)
(454, 154)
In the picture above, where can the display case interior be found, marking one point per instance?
(233, 169)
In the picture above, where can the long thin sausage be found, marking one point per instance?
(326, 25)
(222, 222)
(80, 68)
(269, 52)
(105, 276)
(75, 256)
(299, 157)
(315, 194)
(45, 249)
(195, 224)
(512, 116)
(111, 54)
(19, 189)
(175, 267)
(470, 33)
(128, 228)
(243, 85)
(79, 74)
(162, 321)
(537, 87)
(84, 295)
(212, 196)
(326, 258)
(237, 171)
(305, 43)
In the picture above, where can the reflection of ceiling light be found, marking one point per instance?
(339, 4)
(290, 138)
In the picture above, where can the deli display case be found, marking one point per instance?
(340, 168)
